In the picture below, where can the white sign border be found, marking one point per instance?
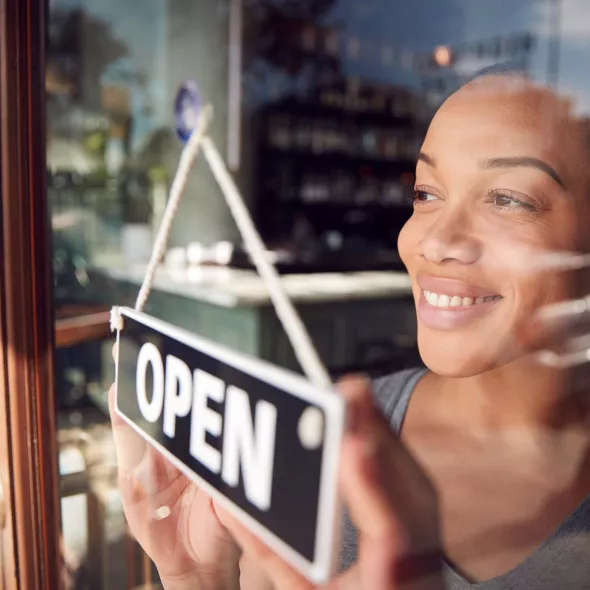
(327, 536)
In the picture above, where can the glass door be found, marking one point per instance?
(113, 70)
(88, 149)
(337, 94)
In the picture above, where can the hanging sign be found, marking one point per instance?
(261, 440)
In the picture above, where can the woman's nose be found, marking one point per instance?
(450, 238)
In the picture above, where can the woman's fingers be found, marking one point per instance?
(384, 457)
(362, 487)
(396, 547)
(282, 576)
(131, 449)
(358, 393)
(367, 500)
(390, 500)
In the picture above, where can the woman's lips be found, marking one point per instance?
(446, 304)
(452, 287)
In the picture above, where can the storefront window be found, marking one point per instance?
(320, 109)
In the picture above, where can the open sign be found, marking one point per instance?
(262, 441)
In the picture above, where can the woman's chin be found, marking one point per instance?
(443, 369)
(460, 357)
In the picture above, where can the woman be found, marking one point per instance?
(500, 183)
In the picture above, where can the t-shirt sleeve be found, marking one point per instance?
(392, 394)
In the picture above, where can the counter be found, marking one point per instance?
(361, 321)
(229, 287)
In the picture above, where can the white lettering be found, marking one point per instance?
(248, 433)
(204, 419)
(178, 393)
(252, 447)
(149, 355)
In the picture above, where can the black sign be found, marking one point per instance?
(261, 440)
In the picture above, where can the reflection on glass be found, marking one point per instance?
(335, 98)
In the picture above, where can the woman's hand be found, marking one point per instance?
(171, 518)
(391, 502)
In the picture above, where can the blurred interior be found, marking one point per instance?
(320, 107)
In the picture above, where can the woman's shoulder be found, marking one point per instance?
(392, 393)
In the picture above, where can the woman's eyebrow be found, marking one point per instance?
(522, 161)
(423, 157)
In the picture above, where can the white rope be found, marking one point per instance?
(302, 345)
(295, 329)
(189, 153)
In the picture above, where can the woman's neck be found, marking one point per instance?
(520, 395)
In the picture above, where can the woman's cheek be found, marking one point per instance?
(518, 265)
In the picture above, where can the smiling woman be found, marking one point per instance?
(498, 182)
(501, 182)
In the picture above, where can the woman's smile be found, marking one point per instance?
(446, 304)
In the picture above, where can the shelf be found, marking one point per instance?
(311, 109)
(406, 164)
(344, 205)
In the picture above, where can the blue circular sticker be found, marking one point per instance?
(187, 109)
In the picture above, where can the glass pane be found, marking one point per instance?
(113, 72)
(320, 111)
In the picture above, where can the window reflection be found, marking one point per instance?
(322, 130)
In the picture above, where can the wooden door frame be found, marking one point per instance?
(28, 447)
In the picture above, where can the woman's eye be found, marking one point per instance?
(507, 202)
(504, 201)
(424, 197)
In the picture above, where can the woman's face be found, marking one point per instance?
(498, 183)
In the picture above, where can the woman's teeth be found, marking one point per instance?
(437, 300)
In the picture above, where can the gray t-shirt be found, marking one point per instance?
(561, 563)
